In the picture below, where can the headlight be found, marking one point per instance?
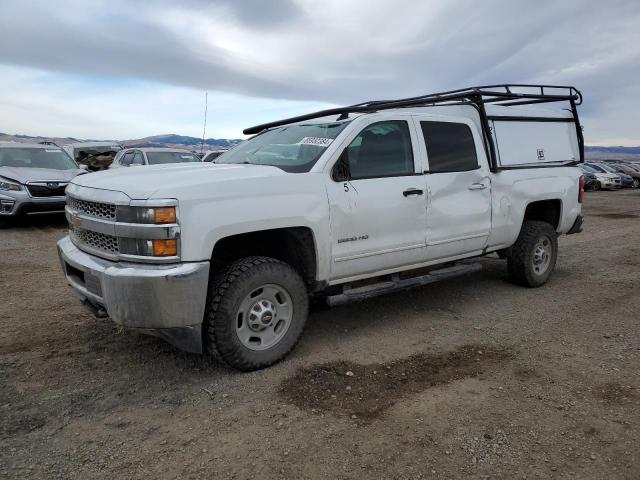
(159, 215)
(8, 185)
(149, 248)
(152, 215)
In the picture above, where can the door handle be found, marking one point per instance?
(412, 191)
(477, 186)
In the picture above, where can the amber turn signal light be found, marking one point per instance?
(165, 248)
(165, 215)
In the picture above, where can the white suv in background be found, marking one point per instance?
(132, 157)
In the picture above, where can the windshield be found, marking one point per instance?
(211, 156)
(607, 168)
(160, 158)
(52, 158)
(293, 148)
(596, 168)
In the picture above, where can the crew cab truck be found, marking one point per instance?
(337, 205)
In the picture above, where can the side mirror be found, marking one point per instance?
(84, 167)
(341, 171)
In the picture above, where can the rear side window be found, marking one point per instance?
(126, 159)
(382, 149)
(450, 147)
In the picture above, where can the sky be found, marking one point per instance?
(117, 69)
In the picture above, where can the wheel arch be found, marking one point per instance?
(548, 210)
(295, 246)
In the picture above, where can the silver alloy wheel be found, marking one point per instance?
(542, 254)
(264, 317)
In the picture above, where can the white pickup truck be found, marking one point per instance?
(338, 205)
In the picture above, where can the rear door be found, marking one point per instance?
(459, 188)
(378, 217)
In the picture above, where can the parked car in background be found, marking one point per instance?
(211, 155)
(627, 180)
(133, 157)
(605, 180)
(625, 169)
(95, 155)
(33, 178)
(590, 180)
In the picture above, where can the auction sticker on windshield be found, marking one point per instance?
(317, 141)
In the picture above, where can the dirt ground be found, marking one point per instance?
(468, 378)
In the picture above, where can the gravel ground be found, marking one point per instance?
(468, 378)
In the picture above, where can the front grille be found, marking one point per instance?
(95, 240)
(46, 191)
(93, 209)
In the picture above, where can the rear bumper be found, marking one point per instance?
(167, 301)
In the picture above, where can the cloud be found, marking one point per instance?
(42, 103)
(337, 52)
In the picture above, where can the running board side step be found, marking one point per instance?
(396, 284)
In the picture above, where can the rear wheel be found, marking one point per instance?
(533, 256)
(257, 311)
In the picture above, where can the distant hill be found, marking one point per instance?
(617, 153)
(173, 139)
(167, 140)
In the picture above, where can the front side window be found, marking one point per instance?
(292, 148)
(382, 149)
(52, 158)
(138, 159)
(450, 147)
(161, 158)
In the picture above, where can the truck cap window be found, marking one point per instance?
(450, 147)
(382, 149)
(294, 148)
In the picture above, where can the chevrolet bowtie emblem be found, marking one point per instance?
(75, 220)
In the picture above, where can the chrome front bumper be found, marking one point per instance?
(162, 300)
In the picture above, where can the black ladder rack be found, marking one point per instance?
(506, 95)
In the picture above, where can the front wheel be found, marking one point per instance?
(636, 183)
(533, 256)
(257, 310)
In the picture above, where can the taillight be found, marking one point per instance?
(581, 191)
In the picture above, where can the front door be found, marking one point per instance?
(378, 215)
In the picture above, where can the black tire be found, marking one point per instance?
(636, 183)
(597, 186)
(228, 289)
(521, 263)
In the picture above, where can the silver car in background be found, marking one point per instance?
(33, 178)
(135, 157)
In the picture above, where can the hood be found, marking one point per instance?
(141, 183)
(27, 174)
